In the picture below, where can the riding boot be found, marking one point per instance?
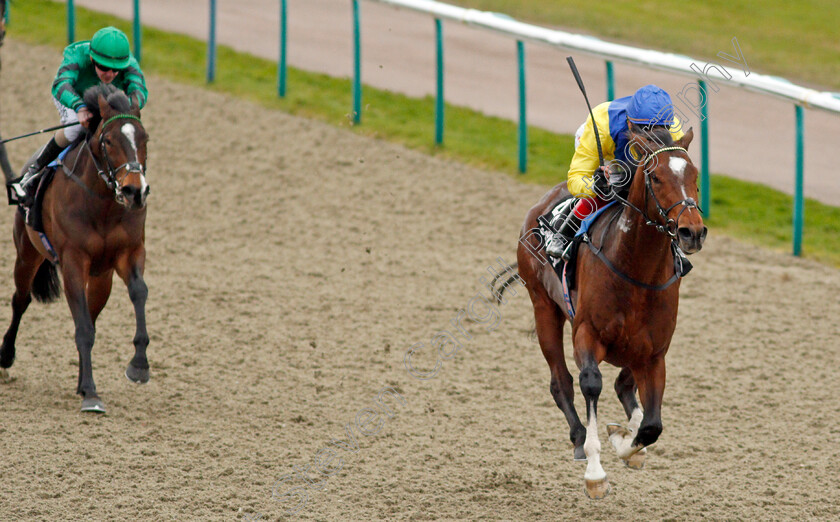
(562, 239)
(29, 183)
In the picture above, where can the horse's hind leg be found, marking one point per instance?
(549, 324)
(138, 369)
(26, 266)
(621, 438)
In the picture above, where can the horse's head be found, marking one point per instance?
(119, 145)
(665, 186)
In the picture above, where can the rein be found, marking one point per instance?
(598, 251)
(109, 176)
(669, 228)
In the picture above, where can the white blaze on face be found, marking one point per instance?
(128, 132)
(678, 167)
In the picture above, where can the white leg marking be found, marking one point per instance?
(592, 448)
(623, 444)
(635, 421)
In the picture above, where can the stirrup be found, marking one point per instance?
(17, 190)
(567, 252)
(557, 245)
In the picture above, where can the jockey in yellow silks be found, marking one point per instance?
(650, 106)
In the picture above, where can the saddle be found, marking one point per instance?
(567, 271)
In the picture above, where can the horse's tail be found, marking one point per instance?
(45, 287)
(498, 293)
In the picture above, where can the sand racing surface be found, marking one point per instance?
(291, 265)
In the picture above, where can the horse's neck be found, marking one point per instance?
(638, 249)
(79, 162)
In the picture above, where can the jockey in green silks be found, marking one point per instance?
(105, 58)
(649, 107)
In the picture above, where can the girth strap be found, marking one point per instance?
(598, 252)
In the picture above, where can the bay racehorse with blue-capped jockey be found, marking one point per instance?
(627, 276)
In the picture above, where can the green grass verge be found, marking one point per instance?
(745, 210)
(795, 39)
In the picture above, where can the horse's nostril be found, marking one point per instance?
(684, 232)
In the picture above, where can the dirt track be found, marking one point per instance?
(292, 264)
(751, 135)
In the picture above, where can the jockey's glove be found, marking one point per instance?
(601, 183)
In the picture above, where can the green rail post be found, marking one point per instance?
(211, 44)
(523, 118)
(71, 22)
(439, 100)
(137, 33)
(705, 182)
(798, 200)
(6, 14)
(357, 65)
(610, 82)
(281, 67)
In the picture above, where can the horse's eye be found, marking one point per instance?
(654, 178)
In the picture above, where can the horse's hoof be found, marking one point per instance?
(580, 455)
(5, 378)
(93, 405)
(636, 460)
(137, 375)
(597, 489)
(613, 428)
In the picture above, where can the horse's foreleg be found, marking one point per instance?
(595, 478)
(622, 438)
(138, 368)
(549, 325)
(651, 383)
(75, 268)
(98, 292)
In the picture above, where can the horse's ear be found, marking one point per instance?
(104, 108)
(685, 141)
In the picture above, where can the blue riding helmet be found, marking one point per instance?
(651, 106)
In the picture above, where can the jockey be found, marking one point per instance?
(592, 185)
(104, 58)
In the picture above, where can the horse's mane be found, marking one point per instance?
(117, 100)
(657, 133)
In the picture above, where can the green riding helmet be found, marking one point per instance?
(109, 48)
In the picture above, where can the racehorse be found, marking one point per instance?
(625, 313)
(94, 215)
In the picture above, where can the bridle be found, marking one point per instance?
(110, 176)
(669, 228)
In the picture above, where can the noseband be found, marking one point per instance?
(109, 176)
(669, 228)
